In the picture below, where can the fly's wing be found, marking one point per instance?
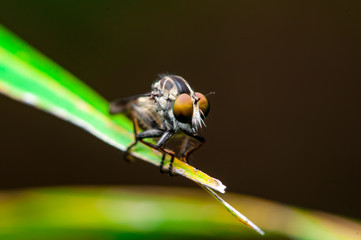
(145, 113)
(140, 107)
(122, 104)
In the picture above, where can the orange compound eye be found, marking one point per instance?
(203, 103)
(183, 108)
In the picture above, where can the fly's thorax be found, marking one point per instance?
(171, 86)
(162, 106)
(167, 89)
(164, 92)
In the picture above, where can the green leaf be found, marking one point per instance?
(29, 77)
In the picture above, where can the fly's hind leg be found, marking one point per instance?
(150, 133)
(127, 156)
(139, 136)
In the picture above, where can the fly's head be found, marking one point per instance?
(176, 102)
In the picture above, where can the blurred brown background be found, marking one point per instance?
(285, 120)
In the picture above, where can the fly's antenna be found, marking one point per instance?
(210, 93)
(197, 100)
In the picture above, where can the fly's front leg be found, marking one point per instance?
(165, 152)
(186, 153)
(164, 138)
(151, 133)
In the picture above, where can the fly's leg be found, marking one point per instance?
(139, 136)
(159, 148)
(165, 136)
(165, 152)
(152, 133)
(186, 153)
(184, 148)
(127, 156)
(172, 155)
(162, 163)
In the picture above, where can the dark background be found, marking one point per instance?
(285, 120)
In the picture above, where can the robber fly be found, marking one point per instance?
(171, 110)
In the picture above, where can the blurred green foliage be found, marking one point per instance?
(155, 213)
